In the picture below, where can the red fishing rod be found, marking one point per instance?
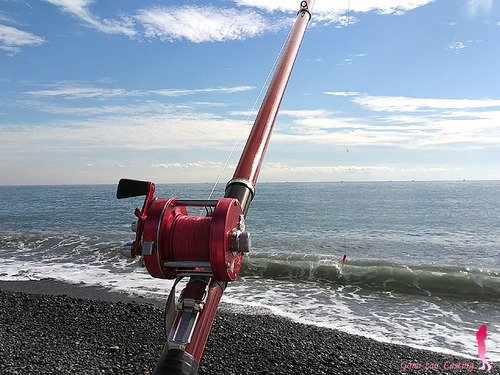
(207, 249)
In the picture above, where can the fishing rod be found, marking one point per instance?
(207, 249)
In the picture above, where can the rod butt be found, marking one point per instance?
(176, 362)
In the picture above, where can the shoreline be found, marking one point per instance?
(52, 327)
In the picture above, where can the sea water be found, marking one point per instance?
(422, 259)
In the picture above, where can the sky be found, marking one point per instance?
(92, 91)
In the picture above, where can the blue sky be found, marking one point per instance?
(91, 91)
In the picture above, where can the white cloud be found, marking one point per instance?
(394, 121)
(79, 9)
(76, 7)
(341, 13)
(408, 104)
(332, 9)
(435, 123)
(79, 92)
(208, 24)
(323, 168)
(161, 131)
(220, 90)
(285, 172)
(350, 58)
(191, 165)
(144, 108)
(11, 39)
(478, 6)
(456, 46)
(203, 24)
(196, 24)
(4, 17)
(427, 123)
(277, 171)
(74, 90)
(342, 93)
(305, 113)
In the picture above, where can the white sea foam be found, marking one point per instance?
(423, 323)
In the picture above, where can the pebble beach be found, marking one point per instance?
(54, 328)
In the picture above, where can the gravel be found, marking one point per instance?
(107, 333)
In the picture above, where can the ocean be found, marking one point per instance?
(422, 259)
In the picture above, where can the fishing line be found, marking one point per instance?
(250, 114)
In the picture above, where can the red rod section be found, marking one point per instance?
(251, 159)
(242, 188)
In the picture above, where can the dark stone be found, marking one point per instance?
(57, 334)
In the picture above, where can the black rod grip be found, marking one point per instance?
(176, 362)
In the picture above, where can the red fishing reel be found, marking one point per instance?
(173, 243)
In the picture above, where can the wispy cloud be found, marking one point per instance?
(286, 172)
(339, 13)
(385, 6)
(475, 7)
(282, 171)
(74, 90)
(202, 24)
(219, 90)
(167, 131)
(247, 19)
(147, 108)
(79, 8)
(456, 46)
(276, 171)
(80, 92)
(342, 93)
(408, 104)
(394, 121)
(349, 60)
(326, 169)
(12, 39)
(398, 122)
(191, 165)
(192, 23)
(101, 115)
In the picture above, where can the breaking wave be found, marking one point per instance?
(427, 280)
(464, 283)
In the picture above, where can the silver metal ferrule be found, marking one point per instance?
(244, 182)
